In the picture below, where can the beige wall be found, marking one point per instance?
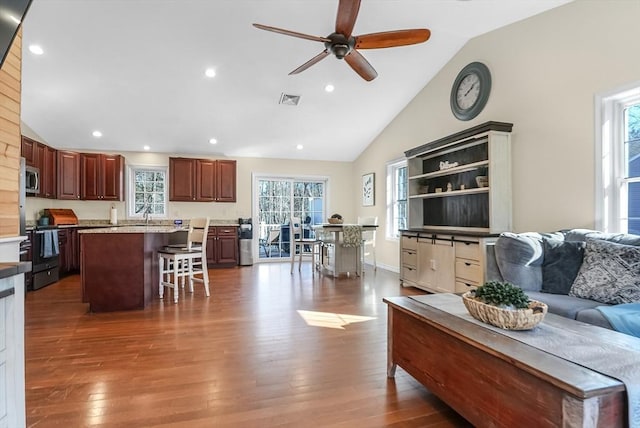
(546, 71)
(336, 172)
(10, 95)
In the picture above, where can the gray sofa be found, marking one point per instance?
(519, 258)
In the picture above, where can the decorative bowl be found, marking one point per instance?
(508, 319)
(333, 220)
(482, 181)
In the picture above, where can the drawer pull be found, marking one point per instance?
(467, 263)
(8, 292)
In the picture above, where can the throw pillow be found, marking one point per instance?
(610, 273)
(562, 260)
(519, 258)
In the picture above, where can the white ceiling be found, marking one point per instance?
(134, 69)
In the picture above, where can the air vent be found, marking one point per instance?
(289, 100)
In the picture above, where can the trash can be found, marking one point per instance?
(245, 239)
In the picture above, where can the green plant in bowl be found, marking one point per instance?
(502, 294)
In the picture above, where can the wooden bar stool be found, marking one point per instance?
(177, 263)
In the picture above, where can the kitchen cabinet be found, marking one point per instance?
(28, 151)
(202, 180)
(222, 246)
(102, 177)
(225, 181)
(48, 172)
(68, 175)
(44, 158)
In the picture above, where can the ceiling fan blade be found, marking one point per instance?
(322, 55)
(361, 65)
(347, 14)
(292, 33)
(390, 39)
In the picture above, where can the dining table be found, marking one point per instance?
(336, 257)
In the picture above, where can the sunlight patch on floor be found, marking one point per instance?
(331, 320)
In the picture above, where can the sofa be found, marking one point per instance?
(572, 271)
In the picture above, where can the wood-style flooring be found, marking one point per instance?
(267, 349)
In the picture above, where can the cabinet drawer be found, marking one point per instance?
(409, 273)
(468, 271)
(226, 230)
(463, 287)
(468, 251)
(409, 243)
(409, 258)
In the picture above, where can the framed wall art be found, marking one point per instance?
(368, 189)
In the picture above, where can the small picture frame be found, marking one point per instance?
(368, 189)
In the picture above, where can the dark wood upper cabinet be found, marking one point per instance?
(205, 180)
(202, 180)
(28, 151)
(68, 175)
(226, 180)
(102, 177)
(181, 179)
(44, 158)
(47, 159)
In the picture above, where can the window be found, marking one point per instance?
(147, 191)
(396, 198)
(618, 163)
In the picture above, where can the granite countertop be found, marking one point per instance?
(134, 229)
(8, 269)
(133, 223)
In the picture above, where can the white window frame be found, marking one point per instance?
(131, 169)
(610, 171)
(392, 234)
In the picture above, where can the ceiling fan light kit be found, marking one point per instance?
(343, 45)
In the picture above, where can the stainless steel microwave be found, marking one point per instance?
(31, 179)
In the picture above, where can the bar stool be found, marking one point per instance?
(309, 247)
(178, 263)
(369, 238)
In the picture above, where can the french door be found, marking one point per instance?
(277, 199)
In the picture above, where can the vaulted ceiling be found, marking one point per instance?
(135, 71)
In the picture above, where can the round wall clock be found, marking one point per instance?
(470, 91)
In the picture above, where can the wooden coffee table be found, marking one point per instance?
(494, 380)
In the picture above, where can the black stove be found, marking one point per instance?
(45, 253)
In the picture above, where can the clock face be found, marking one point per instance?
(470, 91)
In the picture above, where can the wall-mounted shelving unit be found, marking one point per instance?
(443, 190)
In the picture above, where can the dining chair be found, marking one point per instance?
(178, 263)
(369, 239)
(301, 246)
(352, 238)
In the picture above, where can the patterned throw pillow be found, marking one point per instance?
(610, 273)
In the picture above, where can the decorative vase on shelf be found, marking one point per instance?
(482, 181)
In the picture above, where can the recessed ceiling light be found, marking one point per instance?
(36, 49)
(213, 141)
(299, 147)
(210, 72)
(147, 148)
(97, 134)
(329, 88)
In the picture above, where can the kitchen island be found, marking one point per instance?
(119, 267)
(336, 258)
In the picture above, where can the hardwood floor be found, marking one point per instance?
(266, 349)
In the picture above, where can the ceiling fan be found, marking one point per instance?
(343, 44)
